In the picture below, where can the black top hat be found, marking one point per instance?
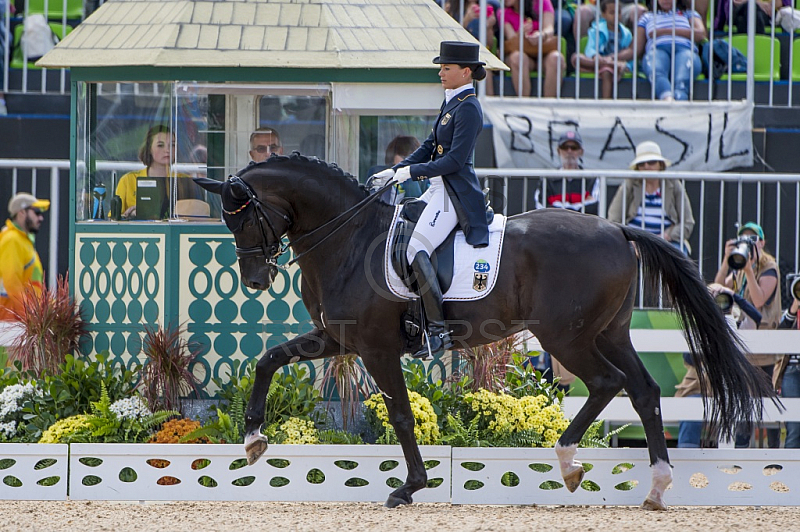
(458, 53)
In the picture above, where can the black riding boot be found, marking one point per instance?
(438, 335)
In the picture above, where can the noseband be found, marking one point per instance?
(270, 252)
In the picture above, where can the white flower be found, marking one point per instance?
(9, 430)
(130, 408)
(13, 397)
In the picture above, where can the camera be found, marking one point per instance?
(793, 282)
(743, 248)
(724, 301)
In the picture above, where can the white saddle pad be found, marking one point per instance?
(474, 269)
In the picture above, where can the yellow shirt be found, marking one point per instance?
(20, 267)
(126, 187)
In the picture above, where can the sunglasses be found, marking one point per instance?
(570, 147)
(267, 149)
(37, 212)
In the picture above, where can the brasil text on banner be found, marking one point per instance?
(708, 137)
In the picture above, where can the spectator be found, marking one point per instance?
(786, 376)
(20, 267)
(156, 154)
(764, 18)
(655, 45)
(575, 194)
(757, 282)
(662, 212)
(690, 432)
(264, 141)
(522, 63)
(398, 149)
(607, 49)
(471, 21)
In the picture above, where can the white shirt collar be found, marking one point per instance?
(450, 93)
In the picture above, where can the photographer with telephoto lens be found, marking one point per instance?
(732, 306)
(756, 279)
(787, 371)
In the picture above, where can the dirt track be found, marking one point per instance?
(340, 517)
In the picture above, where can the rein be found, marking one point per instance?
(277, 251)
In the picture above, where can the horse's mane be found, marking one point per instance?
(296, 162)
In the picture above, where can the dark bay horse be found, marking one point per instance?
(568, 278)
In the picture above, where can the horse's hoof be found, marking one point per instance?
(394, 502)
(255, 446)
(573, 480)
(652, 504)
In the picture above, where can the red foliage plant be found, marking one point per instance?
(167, 374)
(52, 327)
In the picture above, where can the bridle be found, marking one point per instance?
(272, 252)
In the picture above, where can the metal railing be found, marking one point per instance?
(718, 201)
(764, 68)
(43, 173)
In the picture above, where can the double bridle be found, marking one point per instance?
(272, 252)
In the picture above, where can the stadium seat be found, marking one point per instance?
(17, 59)
(55, 8)
(796, 60)
(590, 75)
(761, 67)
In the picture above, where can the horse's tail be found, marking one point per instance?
(716, 351)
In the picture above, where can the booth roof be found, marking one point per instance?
(318, 34)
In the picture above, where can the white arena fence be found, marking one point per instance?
(350, 473)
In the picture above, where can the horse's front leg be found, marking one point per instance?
(312, 345)
(388, 375)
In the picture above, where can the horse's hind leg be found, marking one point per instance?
(604, 381)
(645, 395)
(309, 346)
(388, 375)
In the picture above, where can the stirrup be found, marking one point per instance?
(443, 343)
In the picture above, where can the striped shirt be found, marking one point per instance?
(653, 216)
(666, 20)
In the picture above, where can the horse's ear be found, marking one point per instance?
(238, 190)
(212, 185)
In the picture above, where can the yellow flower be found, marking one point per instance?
(65, 427)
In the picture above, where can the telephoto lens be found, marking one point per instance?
(724, 301)
(794, 288)
(740, 254)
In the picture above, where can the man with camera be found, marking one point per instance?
(786, 376)
(753, 274)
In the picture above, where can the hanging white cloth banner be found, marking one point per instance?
(695, 137)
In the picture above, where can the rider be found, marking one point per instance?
(455, 196)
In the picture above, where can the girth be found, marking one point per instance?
(443, 258)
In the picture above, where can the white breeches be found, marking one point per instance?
(437, 220)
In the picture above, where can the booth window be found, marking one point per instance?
(380, 136)
(137, 152)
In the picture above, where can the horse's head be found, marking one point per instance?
(257, 227)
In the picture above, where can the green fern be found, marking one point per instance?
(593, 436)
(339, 437)
(524, 438)
(460, 435)
(221, 430)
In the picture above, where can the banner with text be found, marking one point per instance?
(694, 137)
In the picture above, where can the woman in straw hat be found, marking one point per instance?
(455, 196)
(660, 206)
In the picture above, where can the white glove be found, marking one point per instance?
(382, 177)
(403, 174)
